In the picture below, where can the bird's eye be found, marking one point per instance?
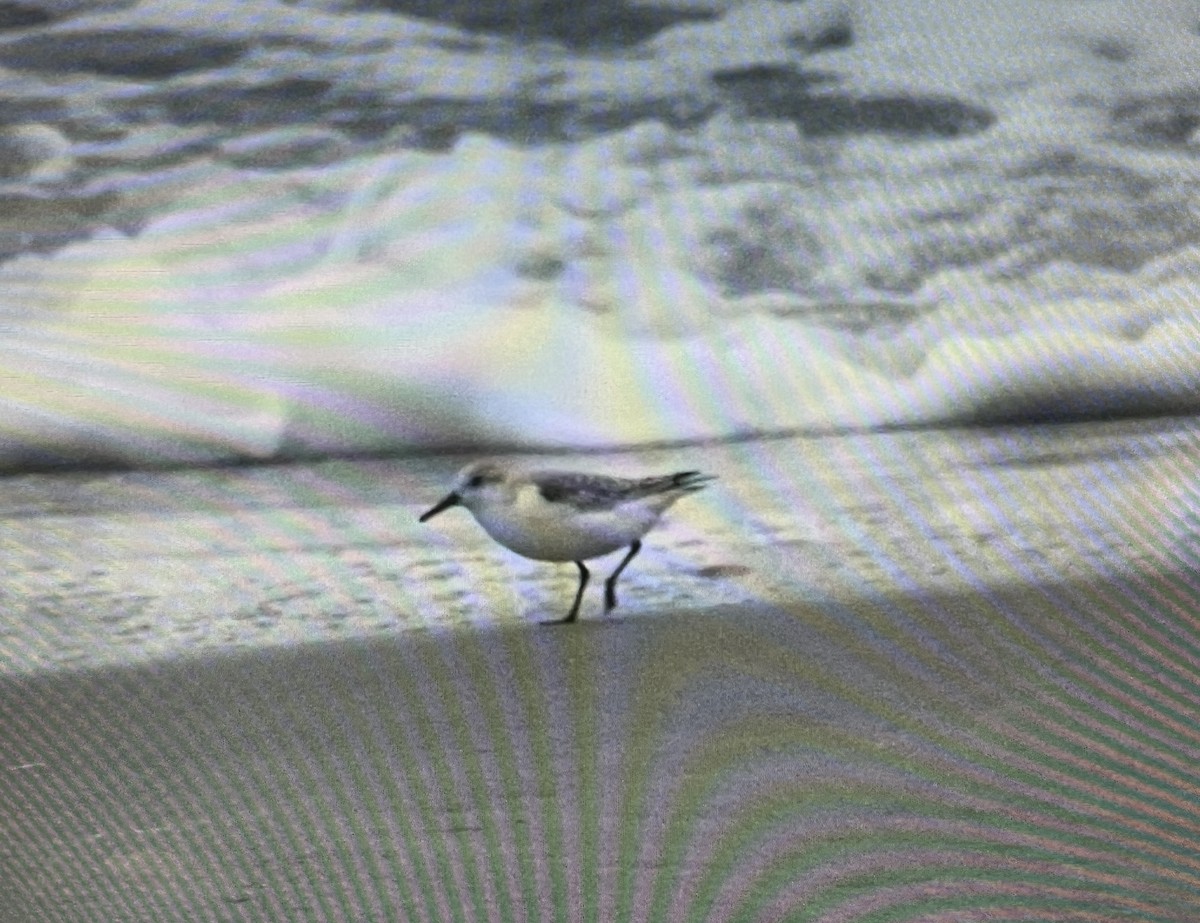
(475, 481)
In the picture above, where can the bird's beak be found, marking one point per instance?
(444, 504)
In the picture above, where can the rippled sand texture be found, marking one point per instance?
(933, 675)
(278, 228)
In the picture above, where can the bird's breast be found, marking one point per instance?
(559, 532)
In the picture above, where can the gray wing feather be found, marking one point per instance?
(602, 492)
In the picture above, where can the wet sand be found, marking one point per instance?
(944, 675)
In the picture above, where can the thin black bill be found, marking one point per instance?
(444, 504)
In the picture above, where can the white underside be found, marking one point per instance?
(545, 531)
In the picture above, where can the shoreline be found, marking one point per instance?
(1137, 419)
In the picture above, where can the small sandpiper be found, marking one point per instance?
(567, 515)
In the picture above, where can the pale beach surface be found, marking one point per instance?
(948, 674)
(108, 567)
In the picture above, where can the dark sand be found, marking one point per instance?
(926, 676)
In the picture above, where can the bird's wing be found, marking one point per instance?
(582, 491)
(603, 492)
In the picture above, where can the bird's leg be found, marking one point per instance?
(610, 585)
(574, 613)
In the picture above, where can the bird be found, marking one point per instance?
(554, 515)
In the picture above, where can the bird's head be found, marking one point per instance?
(473, 487)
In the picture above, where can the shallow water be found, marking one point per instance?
(278, 229)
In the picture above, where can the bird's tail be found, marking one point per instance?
(691, 480)
(681, 482)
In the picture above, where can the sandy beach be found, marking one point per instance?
(934, 675)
